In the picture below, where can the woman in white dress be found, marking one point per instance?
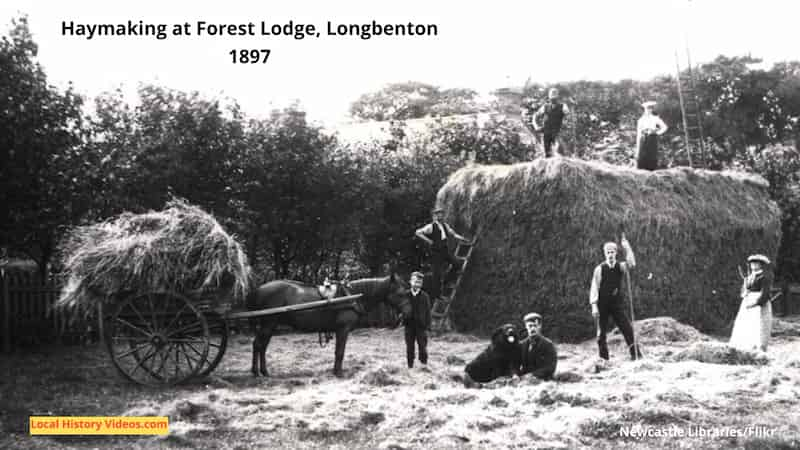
(648, 128)
(753, 325)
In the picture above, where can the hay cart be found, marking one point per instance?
(164, 338)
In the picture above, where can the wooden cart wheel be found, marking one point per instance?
(218, 335)
(158, 338)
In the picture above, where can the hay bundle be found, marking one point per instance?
(543, 224)
(181, 249)
(661, 330)
(720, 353)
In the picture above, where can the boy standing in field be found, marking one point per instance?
(416, 326)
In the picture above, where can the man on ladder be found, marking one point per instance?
(436, 235)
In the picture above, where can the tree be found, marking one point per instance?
(412, 100)
(780, 165)
(289, 190)
(498, 140)
(741, 105)
(42, 187)
(185, 146)
(402, 189)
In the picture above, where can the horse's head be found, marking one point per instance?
(397, 297)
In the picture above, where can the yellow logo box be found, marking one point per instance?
(150, 425)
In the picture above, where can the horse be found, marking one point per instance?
(340, 319)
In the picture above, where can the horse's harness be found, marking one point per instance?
(332, 289)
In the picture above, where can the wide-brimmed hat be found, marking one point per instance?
(531, 316)
(758, 258)
(649, 103)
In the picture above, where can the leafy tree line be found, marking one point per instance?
(307, 203)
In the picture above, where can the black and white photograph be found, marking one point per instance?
(399, 225)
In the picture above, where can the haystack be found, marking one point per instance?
(181, 249)
(543, 223)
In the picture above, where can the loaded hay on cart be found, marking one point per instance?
(160, 281)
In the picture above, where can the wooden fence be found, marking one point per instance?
(27, 316)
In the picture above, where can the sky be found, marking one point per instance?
(480, 45)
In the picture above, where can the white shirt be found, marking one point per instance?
(428, 229)
(564, 109)
(650, 123)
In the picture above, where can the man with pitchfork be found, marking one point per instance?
(607, 299)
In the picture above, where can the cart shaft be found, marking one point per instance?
(290, 308)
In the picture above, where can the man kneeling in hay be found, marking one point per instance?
(539, 355)
(606, 298)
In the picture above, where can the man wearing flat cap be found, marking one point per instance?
(437, 235)
(606, 297)
(548, 120)
(539, 355)
(648, 128)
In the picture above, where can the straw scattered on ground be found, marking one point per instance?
(382, 404)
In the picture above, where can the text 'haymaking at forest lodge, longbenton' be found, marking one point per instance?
(288, 29)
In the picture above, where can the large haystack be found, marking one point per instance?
(543, 225)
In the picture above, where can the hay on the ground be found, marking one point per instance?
(781, 327)
(661, 330)
(719, 353)
(543, 224)
(181, 249)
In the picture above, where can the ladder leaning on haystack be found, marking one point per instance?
(690, 110)
(441, 307)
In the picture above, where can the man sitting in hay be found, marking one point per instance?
(539, 356)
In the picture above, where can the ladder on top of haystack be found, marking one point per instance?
(441, 306)
(690, 111)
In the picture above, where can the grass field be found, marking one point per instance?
(382, 404)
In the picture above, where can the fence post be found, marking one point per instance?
(6, 314)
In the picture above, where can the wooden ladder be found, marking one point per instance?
(441, 306)
(690, 112)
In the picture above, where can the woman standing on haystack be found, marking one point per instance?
(753, 324)
(648, 129)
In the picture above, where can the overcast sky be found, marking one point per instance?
(481, 45)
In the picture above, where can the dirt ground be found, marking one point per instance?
(382, 404)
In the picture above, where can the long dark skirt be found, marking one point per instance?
(647, 157)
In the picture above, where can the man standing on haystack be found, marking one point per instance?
(606, 297)
(436, 234)
(553, 113)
